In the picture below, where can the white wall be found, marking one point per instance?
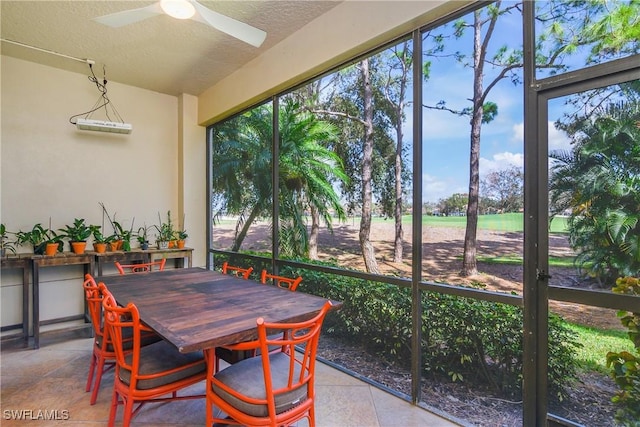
(51, 170)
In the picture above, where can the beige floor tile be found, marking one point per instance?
(54, 377)
(345, 406)
(393, 412)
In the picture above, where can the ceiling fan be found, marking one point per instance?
(187, 9)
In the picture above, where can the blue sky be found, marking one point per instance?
(446, 137)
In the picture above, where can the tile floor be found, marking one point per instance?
(53, 377)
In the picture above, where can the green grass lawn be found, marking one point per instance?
(498, 222)
(554, 261)
(596, 343)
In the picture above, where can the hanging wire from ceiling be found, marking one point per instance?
(103, 100)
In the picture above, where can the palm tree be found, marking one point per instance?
(307, 172)
(242, 174)
(242, 169)
(599, 182)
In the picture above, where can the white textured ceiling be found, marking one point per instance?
(160, 53)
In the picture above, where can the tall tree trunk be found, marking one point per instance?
(313, 235)
(368, 251)
(469, 264)
(397, 248)
(245, 228)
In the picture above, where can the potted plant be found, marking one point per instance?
(126, 236)
(53, 243)
(116, 240)
(77, 233)
(165, 231)
(5, 244)
(38, 237)
(100, 241)
(181, 236)
(143, 238)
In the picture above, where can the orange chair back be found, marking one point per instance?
(236, 271)
(117, 320)
(280, 281)
(297, 343)
(141, 268)
(94, 296)
(138, 378)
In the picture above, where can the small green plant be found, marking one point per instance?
(125, 235)
(625, 366)
(38, 237)
(98, 237)
(6, 245)
(143, 237)
(77, 232)
(164, 228)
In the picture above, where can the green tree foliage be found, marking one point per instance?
(625, 367)
(598, 181)
(453, 205)
(505, 189)
(242, 170)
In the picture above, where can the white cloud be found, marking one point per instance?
(518, 133)
(558, 140)
(435, 188)
(501, 161)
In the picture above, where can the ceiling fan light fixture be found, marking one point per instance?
(179, 9)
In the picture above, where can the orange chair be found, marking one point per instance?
(236, 271)
(272, 389)
(103, 357)
(147, 373)
(281, 281)
(231, 356)
(142, 267)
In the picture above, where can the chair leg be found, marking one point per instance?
(128, 412)
(114, 409)
(96, 386)
(312, 416)
(92, 367)
(209, 412)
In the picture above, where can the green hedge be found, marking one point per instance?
(464, 339)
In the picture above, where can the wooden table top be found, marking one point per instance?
(198, 309)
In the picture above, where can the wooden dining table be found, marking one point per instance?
(200, 309)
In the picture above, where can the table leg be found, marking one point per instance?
(25, 303)
(36, 304)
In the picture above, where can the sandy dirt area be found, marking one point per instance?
(442, 260)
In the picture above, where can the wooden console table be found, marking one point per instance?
(147, 255)
(91, 261)
(178, 254)
(20, 262)
(67, 258)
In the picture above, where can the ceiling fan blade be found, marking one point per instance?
(126, 17)
(237, 29)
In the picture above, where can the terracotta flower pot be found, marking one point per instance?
(180, 244)
(51, 249)
(78, 247)
(100, 247)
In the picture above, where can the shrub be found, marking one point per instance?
(625, 367)
(462, 338)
